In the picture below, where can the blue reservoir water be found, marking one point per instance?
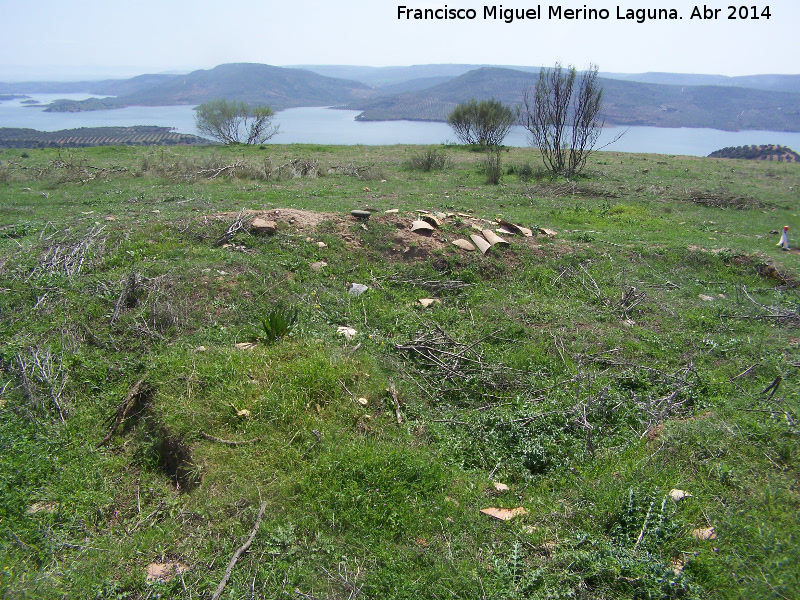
(316, 125)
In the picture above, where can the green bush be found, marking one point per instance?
(428, 160)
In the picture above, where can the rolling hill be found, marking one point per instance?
(429, 93)
(277, 87)
(626, 102)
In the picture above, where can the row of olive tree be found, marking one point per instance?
(562, 114)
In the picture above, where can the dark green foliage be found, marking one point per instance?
(485, 123)
(278, 323)
(753, 152)
(139, 135)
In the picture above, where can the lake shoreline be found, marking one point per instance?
(334, 126)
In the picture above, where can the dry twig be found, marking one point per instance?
(239, 553)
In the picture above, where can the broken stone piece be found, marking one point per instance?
(348, 332)
(356, 289)
(679, 495)
(705, 533)
(426, 302)
(360, 214)
(164, 572)
(504, 514)
(318, 266)
(263, 226)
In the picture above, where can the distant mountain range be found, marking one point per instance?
(625, 102)
(429, 93)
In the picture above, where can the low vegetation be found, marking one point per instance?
(189, 409)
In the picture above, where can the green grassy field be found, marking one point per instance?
(652, 345)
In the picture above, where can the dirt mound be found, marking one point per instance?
(401, 242)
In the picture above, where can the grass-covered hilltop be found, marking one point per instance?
(217, 382)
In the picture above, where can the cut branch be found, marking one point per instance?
(239, 553)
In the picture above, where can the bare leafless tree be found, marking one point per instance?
(562, 114)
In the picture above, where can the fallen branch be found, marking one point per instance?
(211, 438)
(238, 553)
(237, 225)
(393, 392)
(123, 410)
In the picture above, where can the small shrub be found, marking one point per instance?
(494, 170)
(279, 322)
(428, 160)
(524, 171)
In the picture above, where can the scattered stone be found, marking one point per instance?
(348, 332)
(322, 244)
(504, 514)
(705, 298)
(356, 289)
(362, 401)
(164, 572)
(361, 214)
(392, 211)
(263, 226)
(705, 533)
(111, 218)
(245, 345)
(38, 507)
(318, 266)
(200, 349)
(426, 302)
(464, 245)
(678, 495)
(500, 487)
(677, 565)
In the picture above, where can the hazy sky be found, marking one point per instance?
(66, 38)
